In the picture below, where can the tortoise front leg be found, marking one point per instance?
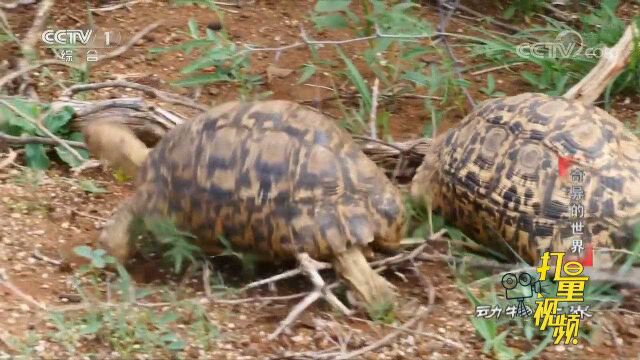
(369, 286)
(115, 236)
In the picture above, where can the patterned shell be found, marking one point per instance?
(496, 176)
(273, 177)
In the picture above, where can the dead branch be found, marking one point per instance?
(452, 343)
(445, 17)
(15, 4)
(310, 268)
(23, 70)
(4, 281)
(39, 256)
(11, 157)
(484, 17)
(162, 95)
(28, 43)
(23, 140)
(373, 123)
(613, 61)
(388, 338)
(41, 127)
(127, 5)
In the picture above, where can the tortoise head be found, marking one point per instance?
(388, 216)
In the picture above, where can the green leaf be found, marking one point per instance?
(193, 28)
(83, 251)
(356, 78)
(166, 319)
(66, 156)
(57, 121)
(91, 327)
(90, 187)
(203, 79)
(332, 5)
(214, 57)
(508, 14)
(417, 77)
(307, 72)
(491, 83)
(36, 156)
(330, 21)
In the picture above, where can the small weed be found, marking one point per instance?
(13, 122)
(382, 312)
(490, 89)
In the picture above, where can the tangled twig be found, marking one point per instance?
(162, 95)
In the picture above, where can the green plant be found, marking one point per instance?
(175, 245)
(523, 8)
(18, 117)
(559, 70)
(490, 89)
(219, 61)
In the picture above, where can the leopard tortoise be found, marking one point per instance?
(496, 176)
(273, 177)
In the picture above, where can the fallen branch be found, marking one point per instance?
(613, 61)
(373, 123)
(386, 339)
(445, 17)
(484, 17)
(162, 95)
(127, 4)
(28, 43)
(15, 4)
(39, 256)
(310, 268)
(38, 124)
(452, 343)
(4, 281)
(23, 70)
(24, 140)
(11, 157)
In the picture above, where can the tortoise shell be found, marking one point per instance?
(497, 176)
(273, 177)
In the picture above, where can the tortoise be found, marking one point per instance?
(498, 177)
(272, 177)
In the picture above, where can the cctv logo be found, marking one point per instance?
(66, 37)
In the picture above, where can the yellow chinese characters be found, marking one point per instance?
(570, 289)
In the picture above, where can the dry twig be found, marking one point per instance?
(373, 123)
(162, 95)
(41, 127)
(28, 43)
(4, 281)
(611, 64)
(23, 140)
(310, 268)
(386, 339)
(445, 17)
(11, 157)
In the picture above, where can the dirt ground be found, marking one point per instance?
(56, 215)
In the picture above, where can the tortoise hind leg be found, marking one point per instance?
(370, 286)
